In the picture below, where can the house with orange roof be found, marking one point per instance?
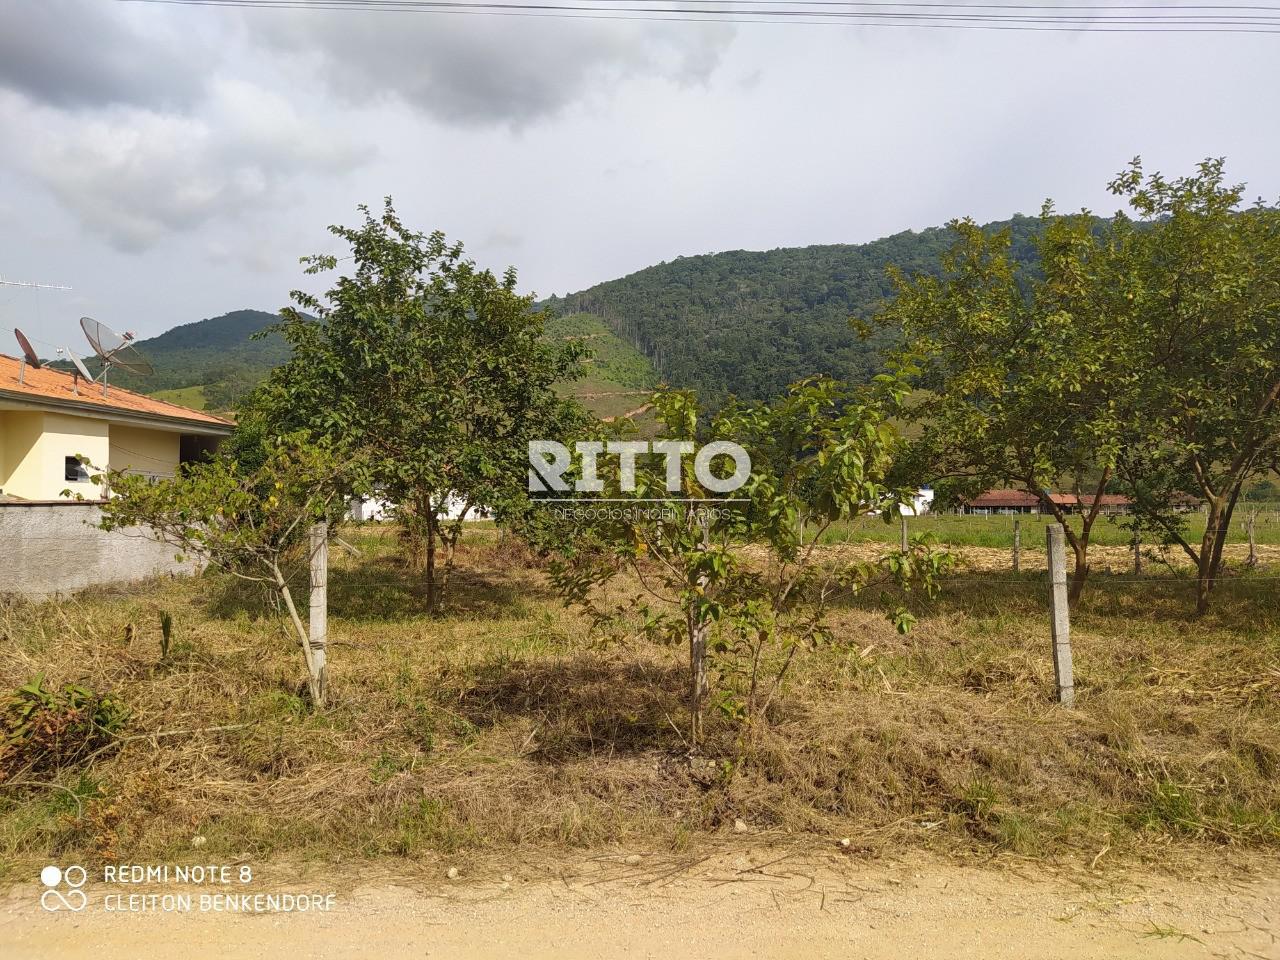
(50, 419)
(1022, 501)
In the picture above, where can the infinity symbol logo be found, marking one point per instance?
(54, 899)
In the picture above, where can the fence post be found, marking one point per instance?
(1137, 555)
(1060, 617)
(1017, 545)
(1253, 547)
(903, 543)
(318, 619)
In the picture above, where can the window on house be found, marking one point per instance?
(75, 470)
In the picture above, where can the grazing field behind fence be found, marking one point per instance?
(996, 530)
(986, 542)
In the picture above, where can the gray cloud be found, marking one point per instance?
(133, 176)
(480, 71)
(172, 163)
(80, 53)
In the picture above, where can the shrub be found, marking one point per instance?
(47, 729)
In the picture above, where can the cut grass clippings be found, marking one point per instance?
(504, 725)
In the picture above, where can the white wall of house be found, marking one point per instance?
(921, 503)
(374, 509)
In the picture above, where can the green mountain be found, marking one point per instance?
(617, 379)
(212, 363)
(749, 323)
(209, 363)
(741, 322)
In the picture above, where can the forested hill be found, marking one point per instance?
(746, 323)
(210, 362)
(749, 323)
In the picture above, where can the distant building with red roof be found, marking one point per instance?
(1010, 501)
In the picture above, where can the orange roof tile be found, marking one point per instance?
(1021, 498)
(47, 384)
(1005, 498)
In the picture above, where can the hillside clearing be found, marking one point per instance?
(192, 397)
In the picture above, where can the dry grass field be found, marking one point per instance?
(505, 725)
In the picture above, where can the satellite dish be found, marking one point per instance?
(81, 371)
(113, 349)
(28, 354)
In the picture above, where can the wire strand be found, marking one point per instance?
(732, 11)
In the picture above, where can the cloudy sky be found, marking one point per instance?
(173, 162)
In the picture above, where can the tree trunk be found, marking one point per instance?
(1217, 526)
(1204, 584)
(313, 678)
(1081, 573)
(1207, 567)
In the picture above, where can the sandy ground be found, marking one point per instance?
(761, 903)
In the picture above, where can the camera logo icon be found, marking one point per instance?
(55, 879)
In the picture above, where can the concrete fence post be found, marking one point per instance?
(1017, 545)
(1253, 546)
(318, 619)
(1137, 555)
(1060, 616)
(904, 544)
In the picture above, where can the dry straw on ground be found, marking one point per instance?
(505, 727)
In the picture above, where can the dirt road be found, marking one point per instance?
(730, 906)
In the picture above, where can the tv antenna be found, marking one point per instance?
(114, 350)
(29, 356)
(33, 286)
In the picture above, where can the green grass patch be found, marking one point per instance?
(190, 397)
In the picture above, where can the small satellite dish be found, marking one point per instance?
(84, 371)
(28, 354)
(113, 349)
(81, 371)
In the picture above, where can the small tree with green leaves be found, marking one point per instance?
(1022, 381)
(1144, 358)
(437, 372)
(742, 578)
(1199, 273)
(247, 522)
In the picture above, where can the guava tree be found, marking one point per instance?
(1143, 357)
(739, 575)
(1199, 272)
(437, 372)
(1022, 381)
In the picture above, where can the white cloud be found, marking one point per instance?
(174, 162)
